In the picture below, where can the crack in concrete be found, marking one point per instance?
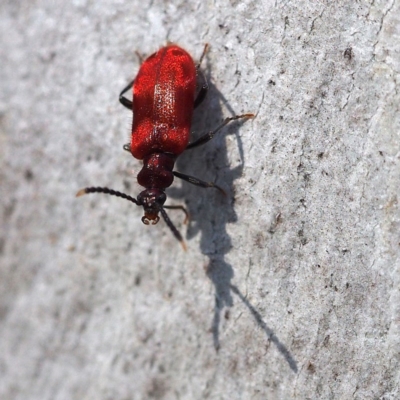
(380, 26)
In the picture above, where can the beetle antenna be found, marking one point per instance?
(173, 228)
(107, 191)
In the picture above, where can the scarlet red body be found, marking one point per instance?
(163, 99)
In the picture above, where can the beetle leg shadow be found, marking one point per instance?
(221, 274)
(268, 331)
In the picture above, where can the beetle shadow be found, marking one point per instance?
(210, 211)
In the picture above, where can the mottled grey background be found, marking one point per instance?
(290, 285)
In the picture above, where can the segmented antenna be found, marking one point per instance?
(107, 191)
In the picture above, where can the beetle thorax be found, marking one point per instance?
(156, 172)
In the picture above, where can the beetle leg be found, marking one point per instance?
(204, 89)
(123, 100)
(208, 136)
(202, 55)
(139, 56)
(171, 226)
(180, 208)
(198, 182)
(202, 92)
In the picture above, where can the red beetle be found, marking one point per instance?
(164, 96)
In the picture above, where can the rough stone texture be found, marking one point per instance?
(290, 286)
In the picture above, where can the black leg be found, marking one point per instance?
(202, 55)
(123, 100)
(173, 228)
(208, 136)
(198, 182)
(202, 92)
(204, 88)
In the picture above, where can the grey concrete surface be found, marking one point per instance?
(290, 285)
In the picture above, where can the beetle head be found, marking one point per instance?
(152, 201)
